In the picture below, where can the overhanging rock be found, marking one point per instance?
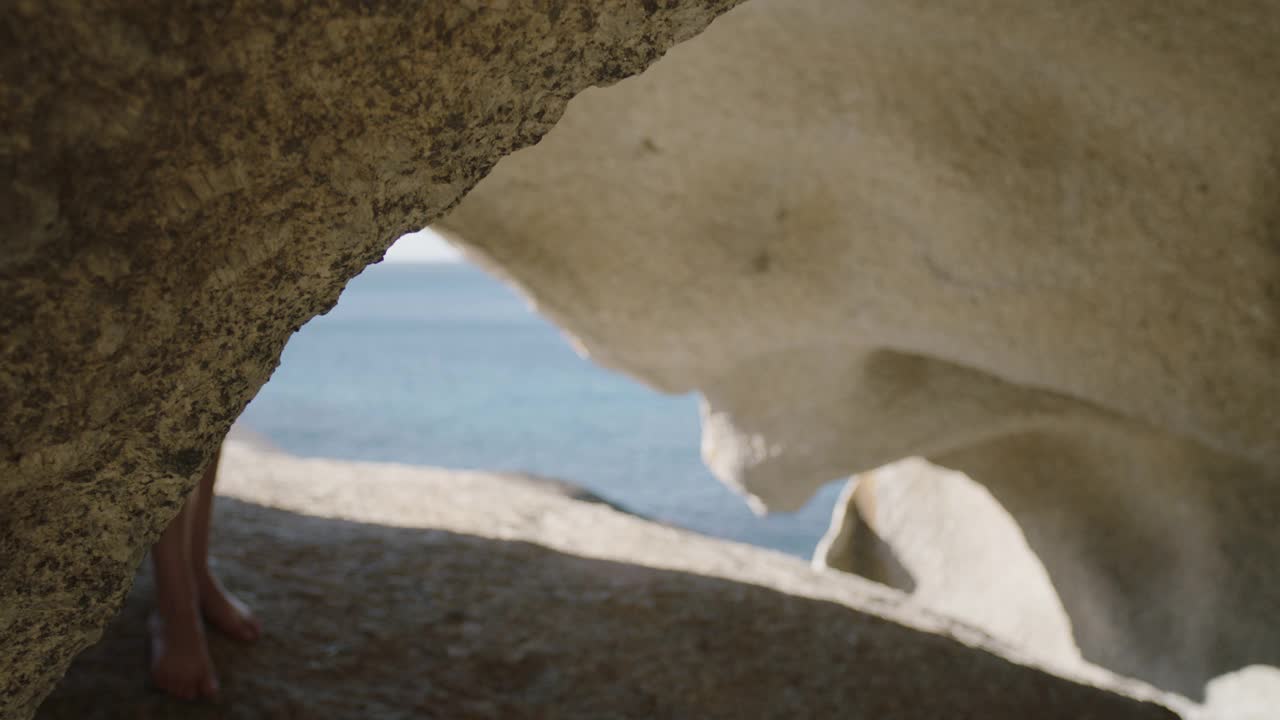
(185, 184)
(1034, 242)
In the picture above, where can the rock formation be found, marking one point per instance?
(1173, 589)
(184, 184)
(392, 591)
(1035, 242)
(942, 538)
(1032, 241)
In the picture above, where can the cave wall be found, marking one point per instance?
(184, 185)
(1034, 242)
(940, 229)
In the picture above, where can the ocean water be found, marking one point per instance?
(442, 365)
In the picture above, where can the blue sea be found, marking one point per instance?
(440, 364)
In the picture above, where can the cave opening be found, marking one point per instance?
(428, 360)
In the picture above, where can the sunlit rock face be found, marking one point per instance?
(941, 537)
(944, 539)
(1036, 242)
(184, 184)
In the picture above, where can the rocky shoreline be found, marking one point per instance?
(393, 591)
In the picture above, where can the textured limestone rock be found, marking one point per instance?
(1035, 242)
(1174, 589)
(941, 537)
(391, 591)
(1162, 553)
(184, 184)
(944, 539)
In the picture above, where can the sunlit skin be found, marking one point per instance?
(188, 594)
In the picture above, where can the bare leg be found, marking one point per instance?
(224, 611)
(180, 662)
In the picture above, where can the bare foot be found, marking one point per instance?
(180, 663)
(226, 612)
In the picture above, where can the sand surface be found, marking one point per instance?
(396, 592)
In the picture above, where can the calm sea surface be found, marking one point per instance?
(440, 364)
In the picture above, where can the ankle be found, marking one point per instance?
(204, 576)
(179, 606)
(208, 587)
(181, 624)
(200, 568)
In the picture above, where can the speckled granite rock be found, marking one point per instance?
(399, 592)
(183, 184)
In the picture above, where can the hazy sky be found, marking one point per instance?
(422, 246)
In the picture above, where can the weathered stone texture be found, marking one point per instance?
(941, 537)
(183, 185)
(1033, 241)
(399, 592)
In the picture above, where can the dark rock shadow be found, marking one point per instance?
(874, 558)
(368, 621)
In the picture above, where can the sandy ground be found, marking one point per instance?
(398, 592)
